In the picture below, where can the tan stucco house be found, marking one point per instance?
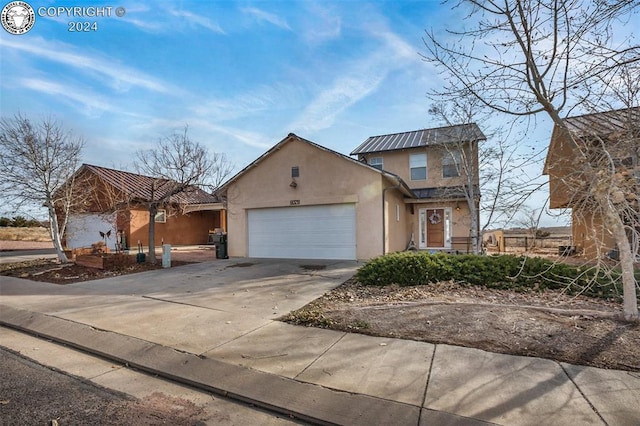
(607, 138)
(112, 202)
(302, 200)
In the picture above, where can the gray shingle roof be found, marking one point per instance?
(139, 186)
(419, 138)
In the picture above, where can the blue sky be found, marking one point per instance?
(241, 75)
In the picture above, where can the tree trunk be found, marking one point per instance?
(630, 307)
(55, 235)
(153, 210)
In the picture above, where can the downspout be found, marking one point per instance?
(384, 218)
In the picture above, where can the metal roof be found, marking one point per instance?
(419, 138)
(139, 186)
(443, 192)
(604, 123)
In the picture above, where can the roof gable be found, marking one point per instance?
(605, 125)
(403, 187)
(140, 187)
(420, 138)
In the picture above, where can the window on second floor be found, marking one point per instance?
(418, 166)
(376, 162)
(451, 164)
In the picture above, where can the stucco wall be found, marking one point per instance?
(325, 178)
(397, 162)
(560, 166)
(590, 236)
(189, 229)
(397, 227)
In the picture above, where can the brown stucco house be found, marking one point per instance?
(112, 202)
(440, 165)
(607, 139)
(302, 200)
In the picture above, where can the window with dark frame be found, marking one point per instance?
(295, 172)
(418, 166)
(451, 164)
(376, 162)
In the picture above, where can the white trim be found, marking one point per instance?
(423, 238)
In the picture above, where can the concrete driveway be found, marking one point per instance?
(210, 325)
(194, 308)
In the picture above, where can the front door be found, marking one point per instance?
(435, 227)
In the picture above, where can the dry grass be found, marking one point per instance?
(24, 234)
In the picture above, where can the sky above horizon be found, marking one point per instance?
(240, 74)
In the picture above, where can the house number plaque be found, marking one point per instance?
(294, 202)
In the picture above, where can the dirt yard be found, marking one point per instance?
(50, 270)
(578, 330)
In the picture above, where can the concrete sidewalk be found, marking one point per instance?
(211, 325)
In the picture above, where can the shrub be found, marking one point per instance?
(501, 272)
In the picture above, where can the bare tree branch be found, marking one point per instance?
(36, 162)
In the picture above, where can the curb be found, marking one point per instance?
(300, 400)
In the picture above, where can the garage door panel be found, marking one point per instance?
(306, 232)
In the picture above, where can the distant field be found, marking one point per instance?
(24, 234)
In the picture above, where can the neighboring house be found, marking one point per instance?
(302, 200)
(609, 139)
(112, 202)
(441, 167)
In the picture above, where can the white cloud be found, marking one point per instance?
(355, 83)
(192, 19)
(324, 24)
(121, 76)
(253, 139)
(257, 100)
(332, 101)
(261, 15)
(88, 103)
(154, 27)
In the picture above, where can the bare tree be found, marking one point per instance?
(37, 160)
(529, 219)
(179, 166)
(495, 165)
(524, 57)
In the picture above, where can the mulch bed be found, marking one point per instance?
(51, 271)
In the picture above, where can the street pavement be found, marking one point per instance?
(213, 326)
(14, 256)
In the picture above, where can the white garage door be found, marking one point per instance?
(303, 232)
